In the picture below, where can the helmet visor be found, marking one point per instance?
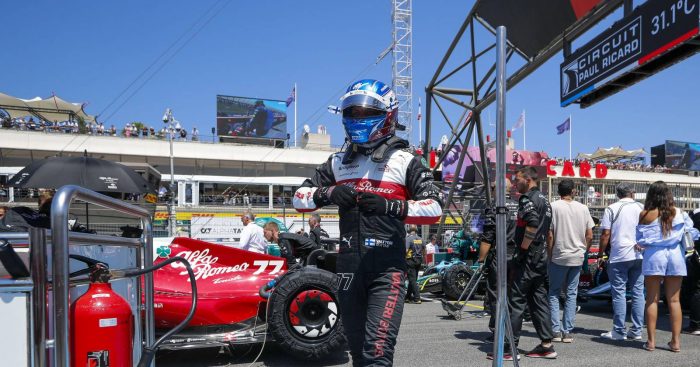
(359, 112)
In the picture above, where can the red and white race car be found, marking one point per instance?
(301, 314)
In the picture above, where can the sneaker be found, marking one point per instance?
(542, 352)
(631, 336)
(578, 308)
(507, 356)
(557, 337)
(691, 331)
(567, 338)
(613, 335)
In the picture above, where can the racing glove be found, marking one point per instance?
(341, 195)
(374, 204)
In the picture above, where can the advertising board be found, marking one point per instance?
(648, 32)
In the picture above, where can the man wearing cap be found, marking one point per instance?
(619, 225)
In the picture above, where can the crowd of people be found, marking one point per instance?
(130, 130)
(642, 246)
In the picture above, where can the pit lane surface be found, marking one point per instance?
(429, 338)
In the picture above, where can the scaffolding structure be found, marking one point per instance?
(478, 69)
(402, 66)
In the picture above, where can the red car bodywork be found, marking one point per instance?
(228, 284)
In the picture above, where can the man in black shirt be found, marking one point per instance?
(291, 245)
(529, 289)
(487, 252)
(316, 233)
(414, 259)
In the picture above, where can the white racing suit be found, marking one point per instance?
(371, 261)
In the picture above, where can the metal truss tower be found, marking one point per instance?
(469, 99)
(402, 66)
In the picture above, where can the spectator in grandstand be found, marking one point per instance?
(660, 235)
(624, 264)
(127, 130)
(252, 238)
(195, 134)
(151, 132)
(529, 288)
(134, 131)
(316, 233)
(31, 125)
(291, 245)
(227, 195)
(113, 131)
(414, 259)
(570, 236)
(246, 198)
(694, 282)
(144, 131)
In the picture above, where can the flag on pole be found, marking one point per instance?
(334, 109)
(564, 127)
(520, 123)
(292, 96)
(419, 112)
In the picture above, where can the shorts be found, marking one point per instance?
(664, 261)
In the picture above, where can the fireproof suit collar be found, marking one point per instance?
(378, 154)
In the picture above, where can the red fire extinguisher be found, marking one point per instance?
(101, 325)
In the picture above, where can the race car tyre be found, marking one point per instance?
(455, 280)
(303, 314)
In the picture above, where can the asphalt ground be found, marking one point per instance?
(428, 338)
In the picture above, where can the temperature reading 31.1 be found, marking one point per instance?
(667, 17)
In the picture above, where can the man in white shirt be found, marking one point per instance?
(569, 238)
(252, 236)
(619, 225)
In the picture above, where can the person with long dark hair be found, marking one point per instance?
(659, 235)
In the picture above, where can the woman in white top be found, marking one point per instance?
(659, 235)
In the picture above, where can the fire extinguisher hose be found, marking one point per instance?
(150, 351)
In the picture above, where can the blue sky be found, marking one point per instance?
(90, 51)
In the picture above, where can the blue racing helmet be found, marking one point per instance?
(370, 112)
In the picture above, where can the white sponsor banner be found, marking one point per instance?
(211, 228)
(228, 229)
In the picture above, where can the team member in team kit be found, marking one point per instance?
(487, 252)
(378, 185)
(529, 288)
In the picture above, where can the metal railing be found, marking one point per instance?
(61, 238)
(686, 195)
